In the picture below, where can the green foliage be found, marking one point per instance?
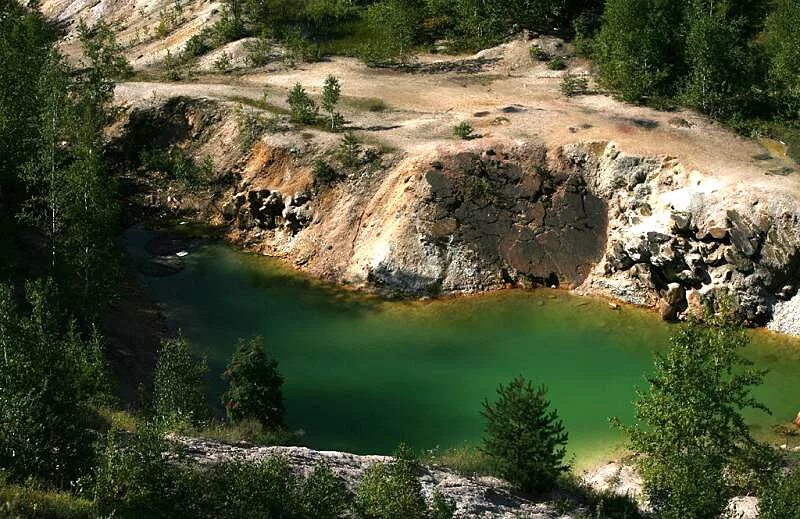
(259, 52)
(179, 389)
(638, 49)
(254, 385)
(223, 63)
(572, 85)
(539, 54)
(172, 67)
(22, 502)
(304, 109)
(51, 377)
(323, 173)
(463, 131)
(331, 92)
(132, 478)
(781, 497)
(467, 460)
(524, 437)
(394, 24)
(322, 495)
(690, 432)
(557, 63)
(392, 490)
(350, 150)
(195, 46)
(180, 166)
(782, 41)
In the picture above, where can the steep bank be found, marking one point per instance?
(492, 212)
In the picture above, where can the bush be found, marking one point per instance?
(52, 378)
(392, 490)
(179, 389)
(322, 495)
(179, 165)
(525, 439)
(557, 63)
(781, 497)
(572, 85)
(323, 173)
(703, 384)
(463, 131)
(349, 150)
(539, 54)
(172, 68)
(259, 52)
(33, 503)
(303, 108)
(254, 385)
(223, 63)
(195, 46)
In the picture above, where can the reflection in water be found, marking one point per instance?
(363, 374)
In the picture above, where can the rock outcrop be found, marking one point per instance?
(492, 213)
(472, 496)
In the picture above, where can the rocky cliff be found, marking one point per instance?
(490, 213)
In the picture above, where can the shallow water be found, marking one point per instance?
(363, 374)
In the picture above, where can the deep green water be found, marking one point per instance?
(363, 374)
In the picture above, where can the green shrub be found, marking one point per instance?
(524, 437)
(703, 383)
(557, 63)
(223, 63)
(133, 479)
(349, 150)
(323, 173)
(179, 165)
(172, 68)
(259, 52)
(539, 54)
(463, 131)
(17, 502)
(179, 388)
(573, 85)
(303, 108)
(254, 385)
(331, 92)
(322, 495)
(195, 46)
(392, 490)
(780, 497)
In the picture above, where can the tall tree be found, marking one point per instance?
(783, 48)
(51, 377)
(524, 437)
(638, 49)
(690, 432)
(254, 385)
(179, 394)
(723, 66)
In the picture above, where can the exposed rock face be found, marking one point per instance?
(489, 213)
(472, 496)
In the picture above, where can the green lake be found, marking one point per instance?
(364, 374)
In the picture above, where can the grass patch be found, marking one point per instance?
(32, 503)
(367, 104)
(467, 460)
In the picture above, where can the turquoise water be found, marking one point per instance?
(363, 374)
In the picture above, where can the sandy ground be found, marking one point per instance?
(511, 99)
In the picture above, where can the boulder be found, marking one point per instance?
(680, 222)
(744, 234)
(695, 305)
(667, 311)
(675, 295)
(797, 420)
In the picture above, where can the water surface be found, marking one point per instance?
(363, 374)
